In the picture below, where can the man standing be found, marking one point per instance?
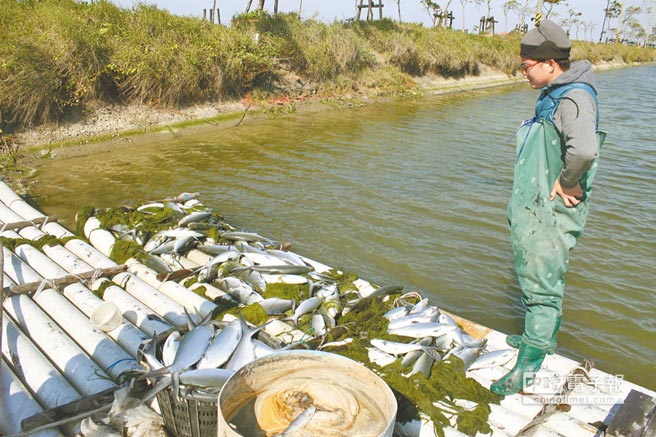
(556, 159)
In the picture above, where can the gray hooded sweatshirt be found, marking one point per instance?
(576, 120)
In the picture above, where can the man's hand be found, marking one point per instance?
(571, 196)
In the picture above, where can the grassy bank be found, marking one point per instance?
(59, 56)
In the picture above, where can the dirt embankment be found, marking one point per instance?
(105, 128)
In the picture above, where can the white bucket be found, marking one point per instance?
(106, 316)
(263, 397)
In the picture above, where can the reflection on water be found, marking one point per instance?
(414, 193)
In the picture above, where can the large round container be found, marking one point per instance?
(265, 396)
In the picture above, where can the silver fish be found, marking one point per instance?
(300, 421)
(318, 325)
(493, 359)
(245, 351)
(275, 305)
(238, 289)
(287, 256)
(194, 217)
(216, 249)
(192, 347)
(468, 355)
(211, 378)
(155, 241)
(412, 319)
(424, 364)
(221, 347)
(248, 236)
(170, 347)
(420, 330)
(307, 306)
(184, 243)
(397, 312)
(166, 247)
(282, 269)
(397, 348)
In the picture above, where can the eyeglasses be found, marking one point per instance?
(526, 68)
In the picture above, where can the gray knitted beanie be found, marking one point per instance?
(547, 41)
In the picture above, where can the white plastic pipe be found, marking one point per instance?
(127, 335)
(54, 228)
(110, 356)
(40, 262)
(45, 381)
(161, 304)
(57, 253)
(133, 310)
(8, 216)
(85, 375)
(89, 254)
(16, 404)
(17, 204)
(100, 238)
(194, 303)
(17, 269)
(200, 258)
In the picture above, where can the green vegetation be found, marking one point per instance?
(57, 57)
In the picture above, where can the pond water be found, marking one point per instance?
(414, 193)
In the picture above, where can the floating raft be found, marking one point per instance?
(55, 363)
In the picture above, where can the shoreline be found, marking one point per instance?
(106, 128)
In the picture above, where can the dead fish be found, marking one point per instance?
(398, 348)
(397, 312)
(206, 378)
(493, 359)
(318, 325)
(221, 347)
(192, 347)
(421, 330)
(248, 236)
(170, 347)
(238, 289)
(194, 217)
(307, 306)
(300, 421)
(245, 351)
(424, 364)
(276, 305)
(282, 269)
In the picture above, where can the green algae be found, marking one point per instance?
(253, 314)
(123, 250)
(297, 292)
(345, 280)
(39, 243)
(81, 217)
(100, 291)
(416, 393)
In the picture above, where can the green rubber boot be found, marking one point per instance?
(529, 361)
(516, 340)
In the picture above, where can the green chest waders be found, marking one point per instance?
(542, 232)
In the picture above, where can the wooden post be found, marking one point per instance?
(370, 11)
(218, 16)
(212, 16)
(204, 14)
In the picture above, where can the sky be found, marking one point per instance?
(411, 11)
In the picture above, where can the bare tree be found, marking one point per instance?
(433, 9)
(510, 5)
(463, 3)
